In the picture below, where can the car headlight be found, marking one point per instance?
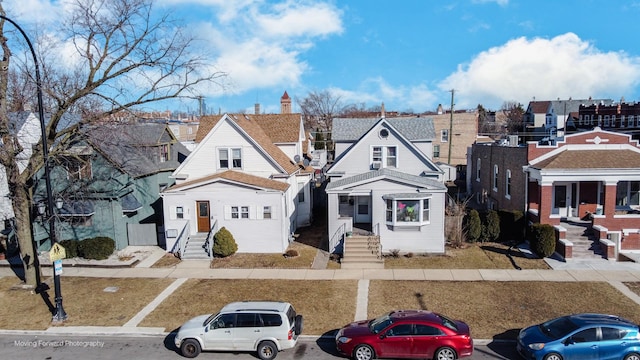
(343, 339)
(536, 346)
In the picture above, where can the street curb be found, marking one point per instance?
(118, 331)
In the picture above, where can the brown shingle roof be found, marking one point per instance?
(591, 159)
(538, 107)
(239, 177)
(281, 128)
(252, 125)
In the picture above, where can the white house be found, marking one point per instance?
(384, 183)
(248, 174)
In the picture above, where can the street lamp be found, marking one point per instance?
(60, 315)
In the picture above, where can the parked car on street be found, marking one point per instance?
(406, 334)
(581, 336)
(265, 327)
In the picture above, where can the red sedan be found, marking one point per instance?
(406, 334)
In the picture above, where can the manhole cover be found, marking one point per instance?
(111, 289)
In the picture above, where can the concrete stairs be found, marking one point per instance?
(585, 245)
(362, 252)
(195, 248)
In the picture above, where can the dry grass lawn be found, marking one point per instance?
(474, 256)
(500, 309)
(84, 300)
(305, 257)
(634, 286)
(326, 305)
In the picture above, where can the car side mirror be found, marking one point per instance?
(383, 335)
(569, 341)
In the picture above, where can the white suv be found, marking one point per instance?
(263, 326)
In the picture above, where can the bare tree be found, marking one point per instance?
(319, 109)
(514, 112)
(125, 55)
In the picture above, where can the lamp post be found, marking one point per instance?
(60, 315)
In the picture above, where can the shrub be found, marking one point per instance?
(98, 248)
(491, 226)
(473, 225)
(394, 253)
(70, 248)
(542, 239)
(512, 225)
(291, 253)
(224, 244)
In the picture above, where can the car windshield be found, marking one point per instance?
(558, 328)
(209, 319)
(379, 324)
(448, 323)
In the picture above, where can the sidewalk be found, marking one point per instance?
(600, 270)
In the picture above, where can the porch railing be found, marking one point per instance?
(208, 243)
(373, 241)
(337, 236)
(183, 239)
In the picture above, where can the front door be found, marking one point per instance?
(204, 224)
(363, 209)
(561, 200)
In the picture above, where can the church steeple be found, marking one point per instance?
(285, 104)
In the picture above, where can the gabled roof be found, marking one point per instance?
(133, 148)
(250, 124)
(539, 107)
(237, 177)
(388, 174)
(591, 159)
(412, 128)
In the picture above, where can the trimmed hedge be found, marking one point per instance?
(473, 225)
(490, 226)
(70, 248)
(542, 239)
(224, 244)
(98, 248)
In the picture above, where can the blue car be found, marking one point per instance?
(581, 337)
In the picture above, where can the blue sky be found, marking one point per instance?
(408, 54)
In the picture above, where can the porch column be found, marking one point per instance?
(546, 202)
(609, 204)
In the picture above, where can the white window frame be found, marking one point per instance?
(235, 212)
(179, 212)
(495, 177)
(229, 152)
(418, 215)
(478, 165)
(444, 135)
(382, 154)
(436, 151)
(244, 212)
(266, 212)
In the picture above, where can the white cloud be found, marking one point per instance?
(33, 11)
(260, 44)
(562, 67)
(375, 91)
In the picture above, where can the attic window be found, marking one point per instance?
(384, 133)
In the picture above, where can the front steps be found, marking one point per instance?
(585, 245)
(195, 248)
(362, 252)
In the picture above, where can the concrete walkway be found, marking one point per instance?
(602, 270)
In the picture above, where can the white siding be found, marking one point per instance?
(252, 235)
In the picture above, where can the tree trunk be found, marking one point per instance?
(28, 251)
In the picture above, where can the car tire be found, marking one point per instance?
(298, 325)
(190, 348)
(363, 352)
(445, 353)
(553, 356)
(632, 356)
(267, 350)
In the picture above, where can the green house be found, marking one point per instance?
(107, 183)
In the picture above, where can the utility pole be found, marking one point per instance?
(450, 128)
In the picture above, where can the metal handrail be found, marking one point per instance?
(209, 241)
(337, 236)
(183, 239)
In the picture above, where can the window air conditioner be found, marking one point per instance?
(376, 165)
